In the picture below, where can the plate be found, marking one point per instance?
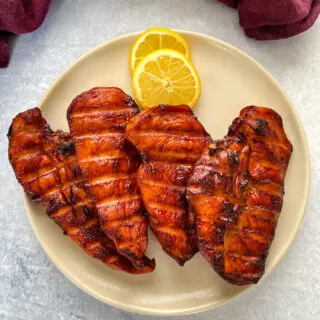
(230, 81)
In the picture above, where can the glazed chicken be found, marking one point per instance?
(97, 120)
(236, 192)
(170, 140)
(45, 165)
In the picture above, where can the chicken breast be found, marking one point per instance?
(97, 120)
(236, 192)
(170, 140)
(45, 165)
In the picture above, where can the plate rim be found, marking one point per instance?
(204, 307)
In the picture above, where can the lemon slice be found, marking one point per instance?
(166, 77)
(154, 39)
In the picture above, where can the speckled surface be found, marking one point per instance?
(31, 287)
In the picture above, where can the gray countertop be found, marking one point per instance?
(31, 287)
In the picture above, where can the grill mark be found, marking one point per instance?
(32, 130)
(170, 120)
(257, 232)
(64, 164)
(205, 167)
(36, 155)
(61, 211)
(82, 203)
(177, 147)
(111, 106)
(54, 189)
(131, 219)
(33, 176)
(71, 183)
(95, 245)
(89, 223)
(168, 156)
(24, 153)
(108, 178)
(136, 240)
(181, 165)
(102, 113)
(172, 134)
(154, 205)
(171, 231)
(250, 259)
(105, 156)
(155, 183)
(126, 197)
(99, 135)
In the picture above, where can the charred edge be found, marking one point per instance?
(86, 211)
(227, 207)
(10, 131)
(144, 213)
(131, 103)
(153, 169)
(33, 197)
(128, 253)
(162, 107)
(53, 206)
(129, 187)
(149, 262)
(115, 164)
(234, 157)
(73, 196)
(132, 152)
(240, 137)
(241, 280)
(67, 149)
(217, 261)
(244, 184)
(185, 201)
(231, 128)
(69, 112)
(219, 235)
(212, 151)
(144, 157)
(260, 126)
(291, 147)
(231, 211)
(77, 171)
(181, 262)
(276, 202)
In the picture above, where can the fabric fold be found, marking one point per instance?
(19, 16)
(274, 19)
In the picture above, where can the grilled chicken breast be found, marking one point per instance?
(97, 120)
(45, 165)
(170, 140)
(236, 192)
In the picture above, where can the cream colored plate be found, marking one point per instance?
(230, 80)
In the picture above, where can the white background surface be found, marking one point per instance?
(31, 287)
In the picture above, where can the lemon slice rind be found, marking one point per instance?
(146, 47)
(166, 77)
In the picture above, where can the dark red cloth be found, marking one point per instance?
(19, 16)
(230, 3)
(275, 19)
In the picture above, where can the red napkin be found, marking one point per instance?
(275, 19)
(19, 16)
